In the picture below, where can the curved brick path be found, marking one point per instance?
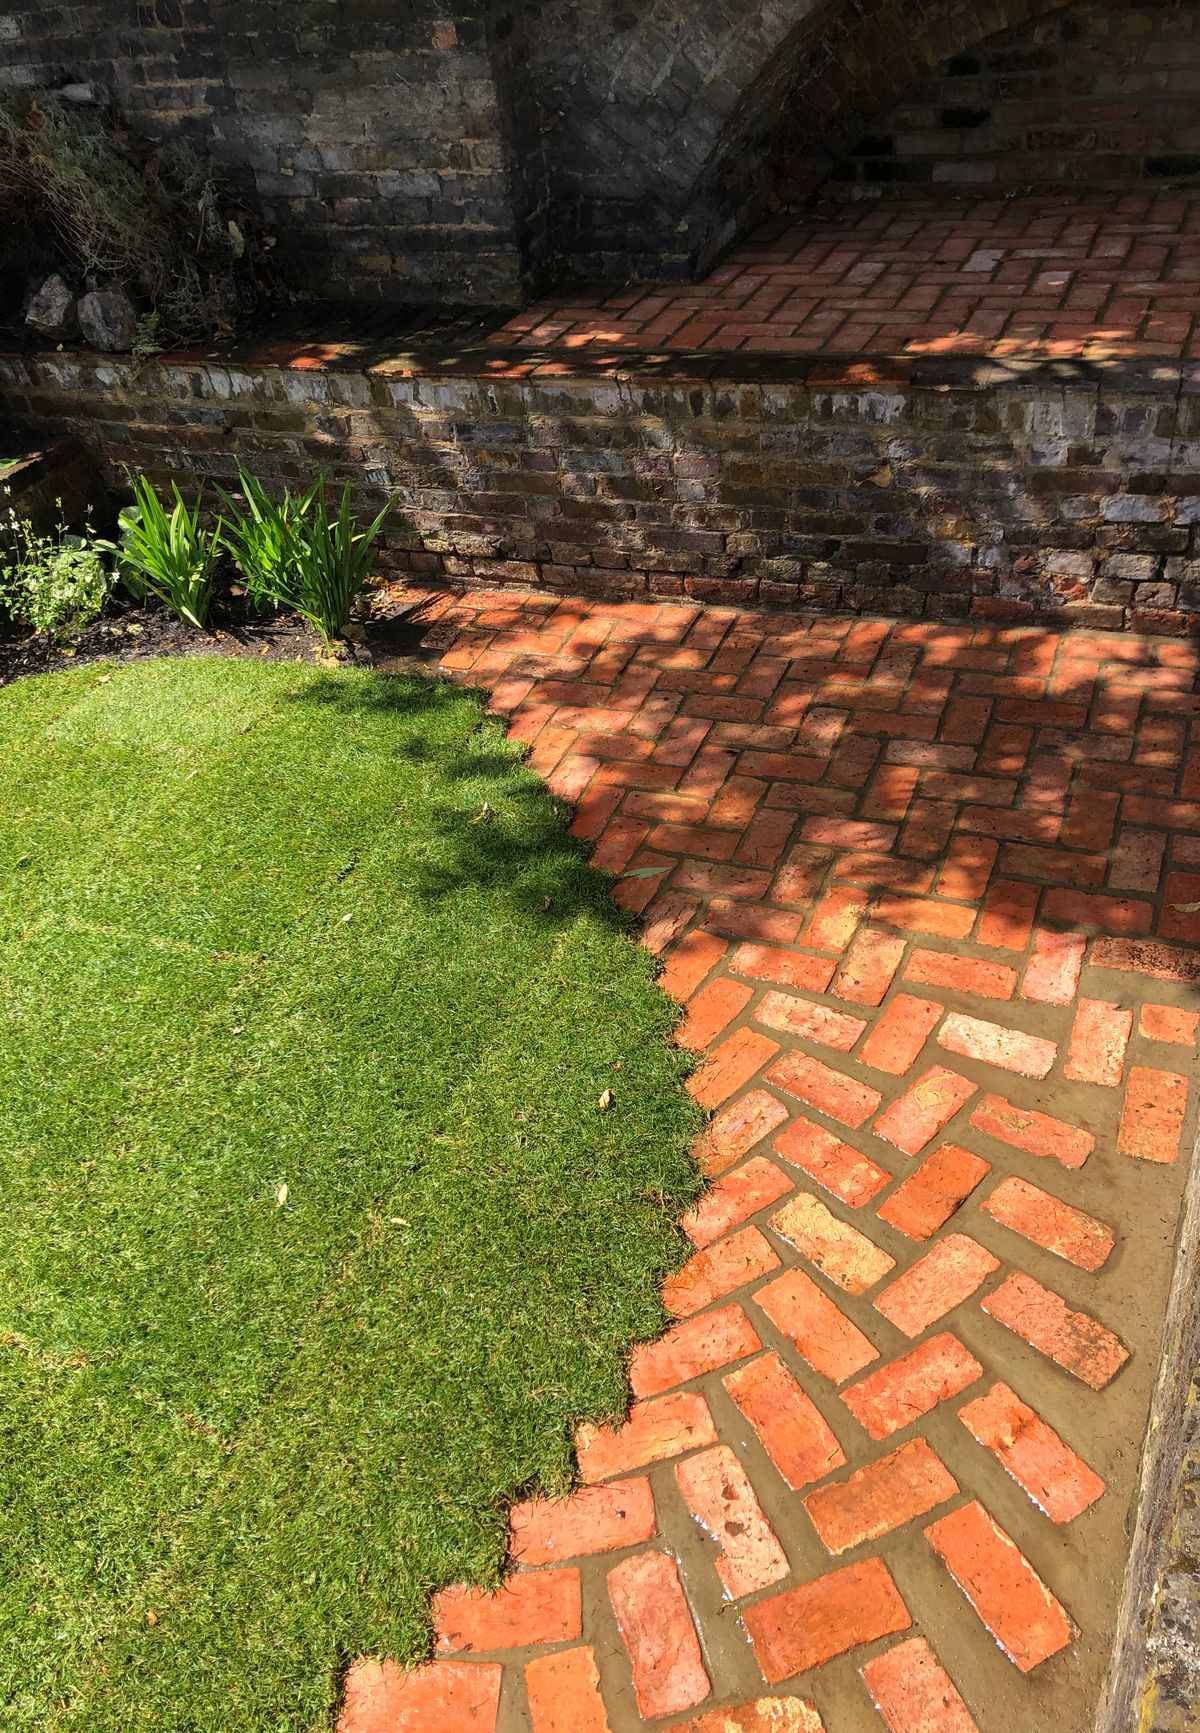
(930, 896)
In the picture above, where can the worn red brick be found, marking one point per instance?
(922, 1111)
(656, 1430)
(1099, 1037)
(1007, 918)
(1078, 1343)
(841, 1170)
(691, 1348)
(994, 1044)
(531, 1607)
(967, 868)
(924, 915)
(843, 1254)
(1055, 1478)
(711, 1010)
(788, 968)
(789, 1425)
(594, 1519)
(1049, 1222)
(1161, 962)
(829, 1091)
(803, 1627)
(907, 1388)
(564, 1693)
(961, 974)
(926, 1200)
(442, 1697)
(731, 1065)
(881, 1497)
(735, 1197)
(767, 1715)
(1165, 1023)
(736, 1130)
(914, 1693)
(820, 1331)
(1052, 974)
(1014, 1603)
(1036, 1133)
(1153, 1114)
(948, 1274)
(819, 1023)
(656, 1627)
(1104, 914)
(689, 961)
(869, 968)
(900, 1033)
(718, 1271)
(717, 1491)
(836, 918)
(848, 833)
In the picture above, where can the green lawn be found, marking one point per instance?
(270, 927)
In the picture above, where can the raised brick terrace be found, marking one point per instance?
(930, 897)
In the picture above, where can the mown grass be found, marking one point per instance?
(273, 927)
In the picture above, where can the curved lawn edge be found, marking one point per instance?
(477, 924)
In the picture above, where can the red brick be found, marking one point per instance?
(691, 1348)
(881, 1497)
(948, 1274)
(993, 1044)
(1106, 914)
(1073, 1340)
(926, 1200)
(694, 839)
(1052, 974)
(621, 839)
(1036, 1133)
(788, 968)
(801, 875)
(665, 1426)
(869, 968)
(922, 1111)
(802, 1628)
(694, 957)
(443, 1697)
(1099, 1037)
(829, 1091)
(717, 1491)
(1148, 957)
(961, 974)
(848, 833)
(849, 1175)
(1165, 1023)
(847, 1257)
(1007, 918)
(531, 1607)
(1153, 1114)
(836, 918)
(1059, 1482)
(666, 917)
(927, 829)
(914, 1693)
(1090, 818)
(967, 868)
(564, 1693)
(708, 879)
(890, 792)
(900, 1033)
(767, 1715)
(821, 1332)
(1049, 1222)
(656, 1627)
(729, 1066)
(924, 915)
(711, 1010)
(789, 1426)
(718, 1271)
(885, 871)
(820, 1023)
(736, 1130)
(594, 1519)
(1137, 861)
(733, 1199)
(907, 1388)
(1060, 866)
(752, 921)
(1000, 1583)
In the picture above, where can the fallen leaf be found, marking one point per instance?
(606, 1101)
(151, 1617)
(1186, 908)
(482, 816)
(281, 1196)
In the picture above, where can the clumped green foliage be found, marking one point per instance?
(300, 555)
(315, 1242)
(169, 554)
(58, 583)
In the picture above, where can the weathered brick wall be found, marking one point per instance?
(952, 490)
(1102, 95)
(375, 137)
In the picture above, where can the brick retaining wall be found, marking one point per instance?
(1002, 491)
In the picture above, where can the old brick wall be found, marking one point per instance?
(960, 489)
(1102, 95)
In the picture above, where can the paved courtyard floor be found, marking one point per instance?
(1096, 275)
(930, 897)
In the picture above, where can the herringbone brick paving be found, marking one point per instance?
(930, 898)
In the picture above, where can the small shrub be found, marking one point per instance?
(167, 553)
(57, 584)
(263, 539)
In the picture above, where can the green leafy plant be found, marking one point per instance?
(264, 538)
(58, 583)
(169, 554)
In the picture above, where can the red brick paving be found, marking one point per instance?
(930, 942)
(1093, 275)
